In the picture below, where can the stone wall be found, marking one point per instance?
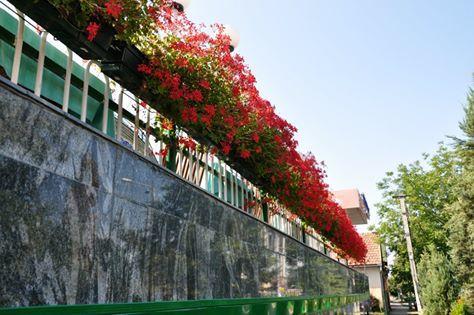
(85, 220)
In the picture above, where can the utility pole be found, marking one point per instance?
(411, 258)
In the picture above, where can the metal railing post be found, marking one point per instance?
(181, 161)
(196, 168)
(105, 109)
(67, 81)
(120, 115)
(40, 65)
(206, 170)
(212, 175)
(85, 91)
(136, 125)
(231, 180)
(18, 47)
(219, 180)
(147, 137)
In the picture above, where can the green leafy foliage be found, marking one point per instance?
(437, 287)
(461, 212)
(429, 186)
(459, 308)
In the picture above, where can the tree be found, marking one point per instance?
(429, 186)
(437, 286)
(461, 211)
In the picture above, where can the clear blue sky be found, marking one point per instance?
(369, 84)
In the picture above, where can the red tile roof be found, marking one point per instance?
(374, 254)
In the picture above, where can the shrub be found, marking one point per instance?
(459, 308)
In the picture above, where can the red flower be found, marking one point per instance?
(206, 119)
(181, 62)
(144, 68)
(245, 154)
(92, 30)
(164, 152)
(225, 148)
(113, 8)
(204, 84)
(230, 135)
(210, 110)
(189, 115)
(195, 95)
(188, 143)
(255, 137)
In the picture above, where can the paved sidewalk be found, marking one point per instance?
(399, 308)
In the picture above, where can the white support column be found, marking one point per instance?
(147, 138)
(219, 180)
(181, 161)
(225, 182)
(40, 65)
(105, 110)
(197, 167)
(136, 125)
(232, 190)
(85, 91)
(212, 175)
(206, 171)
(67, 81)
(244, 191)
(18, 47)
(190, 164)
(120, 115)
(245, 195)
(161, 158)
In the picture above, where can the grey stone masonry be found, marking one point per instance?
(84, 220)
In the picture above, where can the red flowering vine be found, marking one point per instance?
(197, 83)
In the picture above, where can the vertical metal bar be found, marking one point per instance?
(181, 161)
(236, 189)
(232, 190)
(206, 171)
(196, 167)
(105, 110)
(190, 164)
(219, 180)
(161, 158)
(40, 65)
(212, 174)
(136, 126)
(225, 183)
(18, 47)
(147, 138)
(242, 186)
(85, 91)
(67, 81)
(245, 196)
(120, 115)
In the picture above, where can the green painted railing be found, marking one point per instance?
(248, 306)
(53, 80)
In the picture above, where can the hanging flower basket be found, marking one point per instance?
(121, 64)
(66, 30)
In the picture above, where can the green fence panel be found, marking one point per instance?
(53, 85)
(248, 306)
